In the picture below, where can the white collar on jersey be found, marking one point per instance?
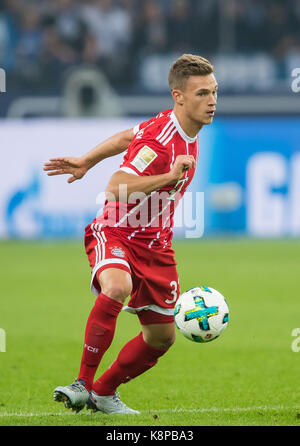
(181, 132)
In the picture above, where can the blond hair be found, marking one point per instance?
(188, 65)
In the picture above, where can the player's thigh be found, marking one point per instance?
(115, 283)
(160, 336)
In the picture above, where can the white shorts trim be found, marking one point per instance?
(128, 170)
(99, 265)
(155, 308)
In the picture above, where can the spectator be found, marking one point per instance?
(8, 33)
(29, 46)
(250, 26)
(277, 27)
(110, 27)
(204, 26)
(6, 43)
(110, 24)
(151, 29)
(179, 29)
(69, 25)
(66, 40)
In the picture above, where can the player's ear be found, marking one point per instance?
(177, 96)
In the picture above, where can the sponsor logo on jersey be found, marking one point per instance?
(118, 252)
(145, 157)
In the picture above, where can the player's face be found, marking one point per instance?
(199, 98)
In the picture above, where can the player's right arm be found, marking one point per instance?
(77, 167)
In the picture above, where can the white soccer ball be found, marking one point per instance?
(201, 314)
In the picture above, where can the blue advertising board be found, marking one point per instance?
(249, 170)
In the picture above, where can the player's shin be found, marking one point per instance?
(135, 358)
(99, 334)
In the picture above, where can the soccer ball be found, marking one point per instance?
(201, 314)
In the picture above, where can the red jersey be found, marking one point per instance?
(153, 150)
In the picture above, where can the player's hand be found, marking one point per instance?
(76, 167)
(181, 165)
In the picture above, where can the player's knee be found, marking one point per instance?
(116, 284)
(162, 342)
(167, 342)
(117, 291)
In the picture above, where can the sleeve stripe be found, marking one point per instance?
(136, 128)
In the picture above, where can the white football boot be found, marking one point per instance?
(74, 396)
(108, 404)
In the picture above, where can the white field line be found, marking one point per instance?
(157, 411)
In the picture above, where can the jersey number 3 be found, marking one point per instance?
(174, 292)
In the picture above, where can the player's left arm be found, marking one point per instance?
(148, 183)
(147, 166)
(77, 167)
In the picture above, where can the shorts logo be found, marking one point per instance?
(145, 157)
(118, 252)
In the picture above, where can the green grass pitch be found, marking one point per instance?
(249, 376)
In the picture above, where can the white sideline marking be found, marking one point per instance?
(150, 411)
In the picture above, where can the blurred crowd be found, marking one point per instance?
(41, 40)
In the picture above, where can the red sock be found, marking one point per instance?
(134, 359)
(99, 334)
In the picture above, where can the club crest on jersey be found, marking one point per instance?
(145, 157)
(117, 251)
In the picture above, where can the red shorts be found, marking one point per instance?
(152, 269)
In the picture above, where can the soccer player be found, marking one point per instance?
(129, 245)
